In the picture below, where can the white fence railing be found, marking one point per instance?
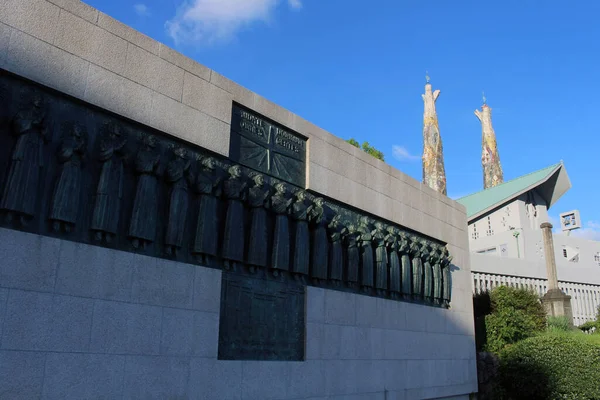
(584, 298)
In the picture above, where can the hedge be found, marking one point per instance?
(551, 366)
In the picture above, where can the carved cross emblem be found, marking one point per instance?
(267, 147)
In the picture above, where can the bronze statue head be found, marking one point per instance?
(391, 229)
(37, 100)
(379, 225)
(208, 163)
(319, 201)
(300, 195)
(77, 130)
(235, 171)
(180, 152)
(113, 129)
(150, 141)
(280, 188)
(364, 220)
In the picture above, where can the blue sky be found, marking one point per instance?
(357, 69)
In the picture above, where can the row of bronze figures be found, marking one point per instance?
(307, 241)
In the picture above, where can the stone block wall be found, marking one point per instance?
(79, 321)
(85, 322)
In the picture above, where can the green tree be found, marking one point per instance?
(367, 148)
(509, 315)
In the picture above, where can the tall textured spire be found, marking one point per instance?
(434, 173)
(490, 159)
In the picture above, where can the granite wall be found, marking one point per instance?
(79, 321)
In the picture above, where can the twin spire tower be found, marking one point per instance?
(434, 173)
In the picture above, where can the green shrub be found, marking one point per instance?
(551, 366)
(559, 324)
(515, 314)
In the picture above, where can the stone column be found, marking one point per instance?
(434, 173)
(555, 302)
(490, 159)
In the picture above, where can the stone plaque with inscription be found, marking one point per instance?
(266, 146)
(261, 319)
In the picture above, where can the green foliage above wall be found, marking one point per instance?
(367, 148)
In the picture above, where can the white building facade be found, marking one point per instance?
(506, 243)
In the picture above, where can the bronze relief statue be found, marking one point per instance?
(258, 201)
(437, 273)
(234, 190)
(208, 186)
(336, 252)
(427, 271)
(366, 238)
(300, 212)
(404, 250)
(180, 177)
(381, 258)
(67, 191)
(20, 194)
(281, 206)
(417, 267)
(391, 241)
(446, 277)
(142, 228)
(320, 243)
(351, 237)
(109, 191)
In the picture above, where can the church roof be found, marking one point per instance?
(550, 183)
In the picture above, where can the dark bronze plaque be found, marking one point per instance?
(261, 319)
(268, 147)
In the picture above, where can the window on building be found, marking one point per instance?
(597, 258)
(565, 253)
(489, 231)
(475, 234)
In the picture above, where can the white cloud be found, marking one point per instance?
(401, 153)
(590, 231)
(141, 10)
(211, 21)
(295, 4)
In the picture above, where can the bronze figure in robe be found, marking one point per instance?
(142, 228)
(234, 190)
(208, 186)
(320, 243)
(281, 206)
(180, 177)
(109, 191)
(366, 238)
(20, 195)
(67, 191)
(258, 201)
(336, 252)
(395, 268)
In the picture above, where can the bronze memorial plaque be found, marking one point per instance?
(266, 146)
(261, 319)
